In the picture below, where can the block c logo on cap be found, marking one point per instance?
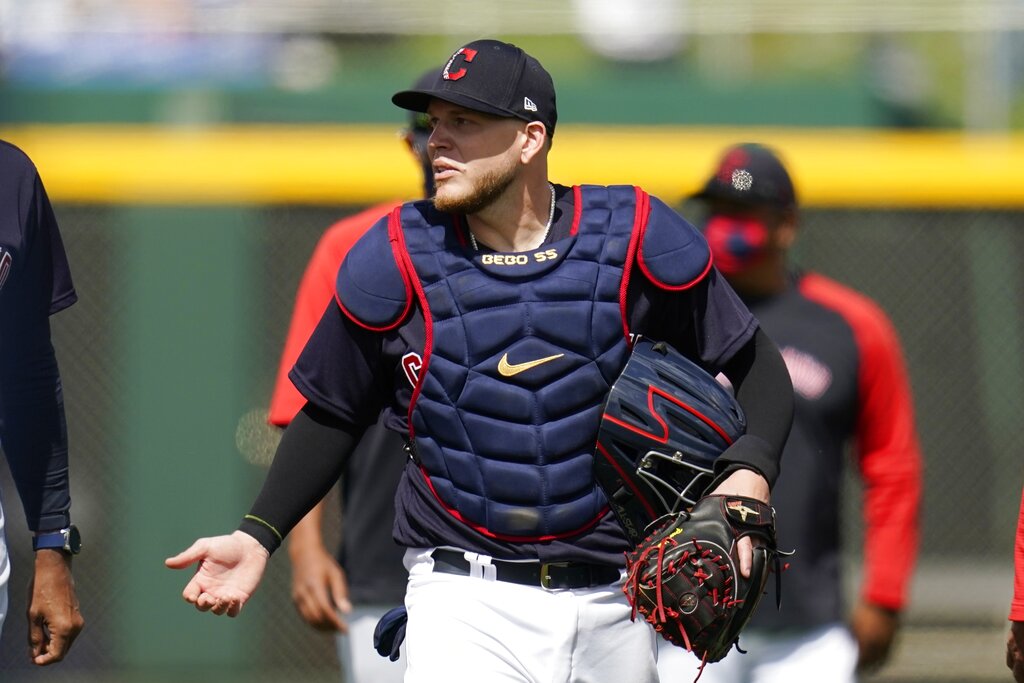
(467, 54)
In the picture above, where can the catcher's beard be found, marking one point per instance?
(491, 185)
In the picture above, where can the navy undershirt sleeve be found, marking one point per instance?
(708, 322)
(339, 369)
(33, 430)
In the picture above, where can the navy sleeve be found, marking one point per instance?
(35, 281)
(62, 290)
(33, 431)
(338, 370)
(710, 324)
(707, 322)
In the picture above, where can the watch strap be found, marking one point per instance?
(53, 540)
(66, 540)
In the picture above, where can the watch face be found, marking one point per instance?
(74, 540)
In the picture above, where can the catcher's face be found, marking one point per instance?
(475, 156)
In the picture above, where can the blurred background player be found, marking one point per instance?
(850, 384)
(1015, 639)
(348, 592)
(35, 283)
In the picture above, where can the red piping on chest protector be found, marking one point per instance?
(646, 271)
(640, 215)
(409, 274)
(393, 219)
(504, 537)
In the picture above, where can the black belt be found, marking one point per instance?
(549, 575)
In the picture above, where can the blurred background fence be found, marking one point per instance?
(195, 151)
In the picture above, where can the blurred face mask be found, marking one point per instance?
(736, 243)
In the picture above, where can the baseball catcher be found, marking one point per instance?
(665, 422)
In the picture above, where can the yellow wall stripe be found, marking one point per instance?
(360, 164)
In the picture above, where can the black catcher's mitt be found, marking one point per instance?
(665, 423)
(684, 578)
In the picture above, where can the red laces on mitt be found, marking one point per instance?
(684, 577)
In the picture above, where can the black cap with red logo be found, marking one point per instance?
(750, 174)
(492, 77)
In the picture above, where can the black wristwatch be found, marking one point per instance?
(67, 540)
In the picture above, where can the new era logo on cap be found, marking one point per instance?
(491, 77)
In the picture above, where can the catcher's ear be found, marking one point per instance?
(536, 140)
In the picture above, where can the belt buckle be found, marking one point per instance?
(545, 573)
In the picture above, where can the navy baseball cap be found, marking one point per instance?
(750, 174)
(491, 77)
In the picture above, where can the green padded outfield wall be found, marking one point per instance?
(189, 309)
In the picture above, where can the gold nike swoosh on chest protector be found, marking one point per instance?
(507, 369)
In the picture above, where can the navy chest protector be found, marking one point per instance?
(521, 350)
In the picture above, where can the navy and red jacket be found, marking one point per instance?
(850, 385)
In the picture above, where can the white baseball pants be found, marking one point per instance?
(467, 629)
(359, 660)
(824, 655)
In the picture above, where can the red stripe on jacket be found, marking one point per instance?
(316, 290)
(1017, 605)
(887, 450)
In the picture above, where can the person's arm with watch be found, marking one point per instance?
(54, 619)
(36, 283)
(34, 434)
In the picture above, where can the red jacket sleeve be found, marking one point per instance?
(316, 290)
(1017, 604)
(887, 450)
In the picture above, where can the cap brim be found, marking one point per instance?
(419, 100)
(712, 193)
(708, 193)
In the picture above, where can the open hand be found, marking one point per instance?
(230, 568)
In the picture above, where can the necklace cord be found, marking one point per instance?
(547, 228)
